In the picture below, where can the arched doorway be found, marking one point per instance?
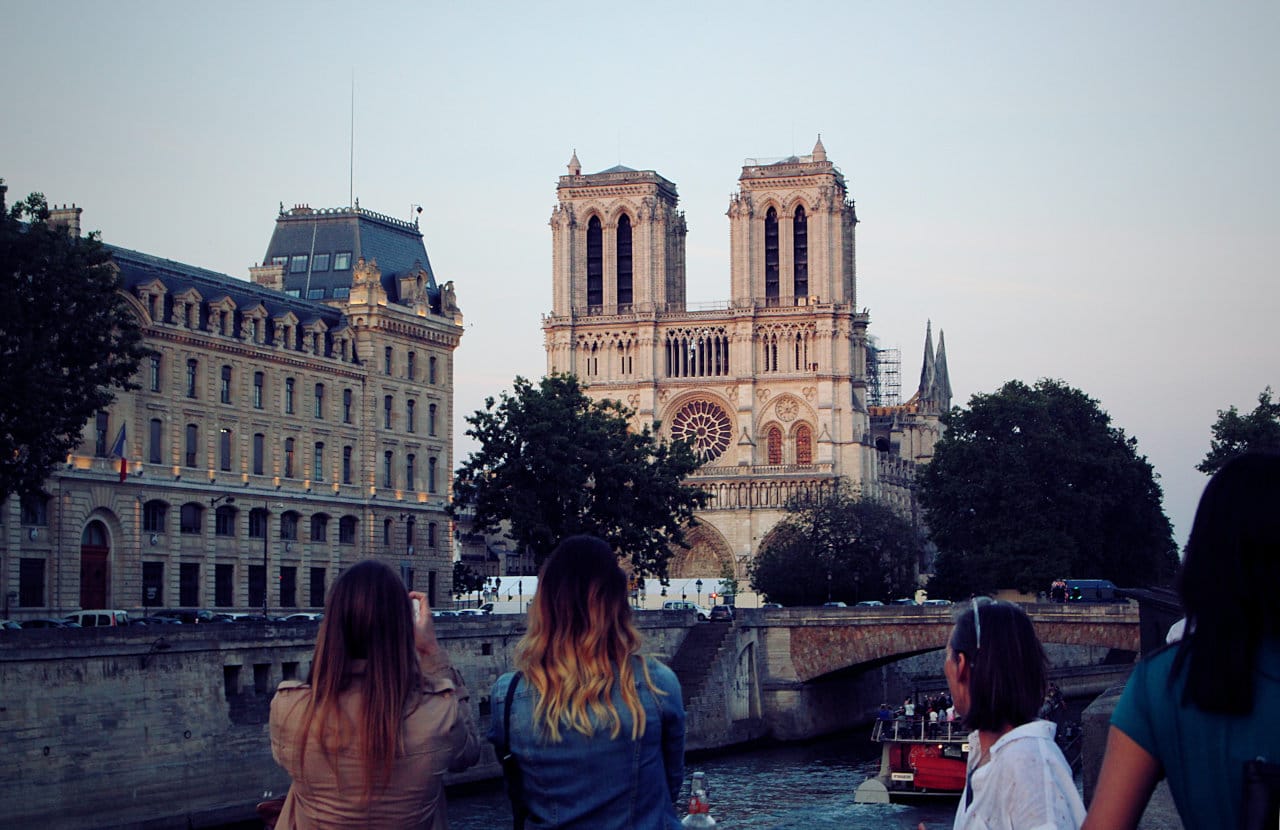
(94, 548)
(708, 554)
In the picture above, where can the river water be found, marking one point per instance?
(802, 786)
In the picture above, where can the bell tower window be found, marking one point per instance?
(771, 257)
(595, 265)
(800, 244)
(624, 264)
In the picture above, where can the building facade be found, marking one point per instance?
(777, 388)
(283, 429)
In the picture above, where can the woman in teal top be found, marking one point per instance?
(1198, 710)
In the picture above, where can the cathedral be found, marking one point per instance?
(780, 388)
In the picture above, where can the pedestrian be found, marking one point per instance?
(1017, 777)
(1200, 712)
(596, 731)
(367, 739)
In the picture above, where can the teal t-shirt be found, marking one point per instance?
(1202, 753)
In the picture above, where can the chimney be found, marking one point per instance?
(67, 218)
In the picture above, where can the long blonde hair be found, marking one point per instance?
(367, 617)
(581, 643)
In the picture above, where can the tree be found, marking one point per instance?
(553, 463)
(466, 579)
(68, 340)
(832, 546)
(1034, 483)
(1234, 433)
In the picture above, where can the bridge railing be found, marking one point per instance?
(918, 729)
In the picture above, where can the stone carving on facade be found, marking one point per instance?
(448, 299)
(810, 393)
(633, 401)
(731, 392)
(787, 409)
(762, 395)
(662, 395)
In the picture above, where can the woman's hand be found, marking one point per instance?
(424, 629)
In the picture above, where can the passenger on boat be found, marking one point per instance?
(1202, 710)
(1017, 776)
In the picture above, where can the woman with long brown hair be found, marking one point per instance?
(381, 718)
(595, 729)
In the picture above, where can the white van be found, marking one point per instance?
(98, 618)
(686, 605)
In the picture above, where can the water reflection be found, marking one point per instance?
(807, 785)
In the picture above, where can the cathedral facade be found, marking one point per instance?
(777, 388)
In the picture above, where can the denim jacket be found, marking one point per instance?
(599, 782)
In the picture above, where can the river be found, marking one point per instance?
(809, 786)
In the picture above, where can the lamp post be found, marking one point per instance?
(698, 585)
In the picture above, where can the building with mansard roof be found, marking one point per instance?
(284, 428)
(779, 388)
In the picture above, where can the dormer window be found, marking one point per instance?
(320, 262)
(342, 261)
(298, 264)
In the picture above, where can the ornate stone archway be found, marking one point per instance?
(707, 555)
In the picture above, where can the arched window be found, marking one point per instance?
(153, 516)
(258, 518)
(771, 257)
(320, 528)
(347, 530)
(595, 265)
(191, 518)
(95, 534)
(624, 263)
(800, 252)
(289, 526)
(773, 443)
(804, 445)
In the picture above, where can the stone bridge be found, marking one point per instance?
(822, 641)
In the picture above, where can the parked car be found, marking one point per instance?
(835, 603)
(9, 625)
(436, 615)
(721, 613)
(904, 601)
(303, 616)
(686, 605)
(157, 621)
(43, 622)
(772, 605)
(869, 603)
(472, 612)
(1091, 590)
(99, 618)
(936, 603)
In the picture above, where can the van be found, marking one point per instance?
(1090, 590)
(99, 618)
(686, 605)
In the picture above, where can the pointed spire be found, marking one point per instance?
(819, 152)
(943, 380)
(575, 166)
(928, 369)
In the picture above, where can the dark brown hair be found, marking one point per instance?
(368, 617)
(1007, 669)
(1228, 584)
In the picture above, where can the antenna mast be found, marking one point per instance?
(351, 161)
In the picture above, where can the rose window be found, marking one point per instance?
(705, 426)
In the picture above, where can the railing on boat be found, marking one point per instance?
(912, 730)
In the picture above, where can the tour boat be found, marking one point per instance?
(918, 760)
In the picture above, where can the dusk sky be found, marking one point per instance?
(1087, 191)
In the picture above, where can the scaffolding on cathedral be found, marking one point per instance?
(884, 375)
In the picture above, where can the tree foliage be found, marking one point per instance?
(466, 579)
(68, 340)
(552, 463)
(833, 546)
(1234, 433)
(1033, 483)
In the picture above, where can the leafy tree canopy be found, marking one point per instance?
(553, 463)
(68, 340)
(1034, 483)
(832, 546)
(466, 579)
(1234, 433)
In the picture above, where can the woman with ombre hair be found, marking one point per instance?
(595, 730)
(382, 717)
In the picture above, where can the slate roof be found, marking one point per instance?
(304, 231)
(137, 268)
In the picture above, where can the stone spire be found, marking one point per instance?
(819, 152)
(575, 166)
(942, 379)
(928, 371)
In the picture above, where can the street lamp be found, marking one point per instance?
(698, 585)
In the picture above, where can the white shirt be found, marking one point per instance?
(1024, 783)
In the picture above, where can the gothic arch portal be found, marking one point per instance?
(708, 554)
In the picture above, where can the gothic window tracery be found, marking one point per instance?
(773, 444)
(705, 426)
(595, 266)
(771, 263)
(698, 353)
(804, 445)
(624, 264)
(800, 252)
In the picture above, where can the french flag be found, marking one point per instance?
(119, 449)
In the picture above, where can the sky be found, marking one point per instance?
(1086, 191)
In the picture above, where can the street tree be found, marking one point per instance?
(833, 546)
(552, 463)
(1234, 433)
(466, 579)
(68, 341)
(1031, 483)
